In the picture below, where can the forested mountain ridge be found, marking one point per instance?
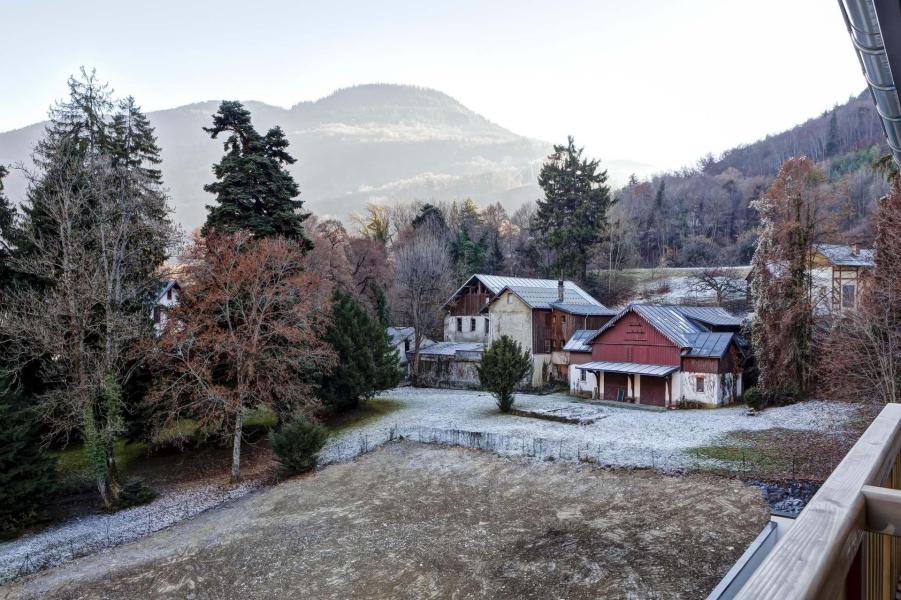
(378, 142)
(703, 216)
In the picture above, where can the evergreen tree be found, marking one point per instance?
(429, 215)
(503, 366)
(253, 188)
(27, 475)
(7, 224)
(832, 137)
(367, 363)
(572, 217)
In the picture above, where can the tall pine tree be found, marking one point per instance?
(572, 217)
(7, 224)
(253, 188)
(367, 363)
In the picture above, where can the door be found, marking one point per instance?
(653, 390)
(613, 383)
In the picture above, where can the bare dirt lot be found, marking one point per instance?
(417, 521)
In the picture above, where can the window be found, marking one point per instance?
(563, 320)
(407, 345)
(459, 324)
(156, 314)
(699, 384)
(509, 298)
(547, 345)
(582, 376)
(169, 294)
(472, 324)
(486, 326)
(849, 291)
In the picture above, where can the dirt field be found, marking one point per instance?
(416, 521)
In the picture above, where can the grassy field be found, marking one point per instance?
(365, 413)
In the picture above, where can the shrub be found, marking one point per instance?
(297, 444)
(504, 365)
(753, 398)
(135, 493)
(27, 474)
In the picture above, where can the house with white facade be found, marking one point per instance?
(162, 302)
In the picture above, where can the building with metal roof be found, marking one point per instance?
(579, 341)
(662, 355)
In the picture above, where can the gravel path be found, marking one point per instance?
(622, 438)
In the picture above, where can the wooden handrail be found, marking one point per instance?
(813, 558)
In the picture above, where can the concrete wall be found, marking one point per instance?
(468, 334)
(718, 388)
(584, 389)
(448, 372)
(511, 317)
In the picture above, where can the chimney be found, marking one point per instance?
(855, 249)
(559, 290)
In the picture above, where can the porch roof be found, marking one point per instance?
(627, 367)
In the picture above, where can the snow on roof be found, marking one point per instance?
(398, 334)
(578, 341)
(625, 367)
(495, 283)
(842, 255)
(710, 344)
(451, 348)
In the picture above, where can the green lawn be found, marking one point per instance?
(367, 412)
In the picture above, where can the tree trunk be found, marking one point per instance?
(109, 484)
(236, 445)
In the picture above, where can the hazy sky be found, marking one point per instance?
(660, 82)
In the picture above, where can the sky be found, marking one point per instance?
(658, 82)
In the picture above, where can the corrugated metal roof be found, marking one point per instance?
(711, 315)
(583, 309)
(673, 321)
(496, 283)
(843, 256)
(710, 344)
(543, 297)
(624, 367)
(577, 343)
(167, 285)
(451, 348)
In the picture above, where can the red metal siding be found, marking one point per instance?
(613, 382)
(632, 339)
(701, 365)
(653, 391)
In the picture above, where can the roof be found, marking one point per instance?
(626, 367)
(168, 284)
(842, 255)
(579, 341)
(710, 344)
(684, 326)
(544, 297)
(587, 310)
(398, 334)
(710, 315)
(496, 283)
(451, 348)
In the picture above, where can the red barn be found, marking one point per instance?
(663, 355)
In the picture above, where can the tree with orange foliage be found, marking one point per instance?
(794, 214)
(247, 333)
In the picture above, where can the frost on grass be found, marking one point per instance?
(88, 535)
(622, 438)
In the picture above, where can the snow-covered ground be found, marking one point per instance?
(622, 438)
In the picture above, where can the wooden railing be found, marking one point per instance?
(843, 544)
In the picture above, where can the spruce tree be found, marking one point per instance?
(27, 474)
(504, 365)
(367, 363)
(572, 217)
(7, 224)
(253, 188)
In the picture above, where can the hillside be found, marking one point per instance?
(369, 142)
(702, 216)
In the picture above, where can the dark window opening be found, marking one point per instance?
(169, 294)
(849, 291)
(406, 345)
(459, 324)
(699, 384)
(472, 324)
(157, 313)
(583, 378)
(486, 326)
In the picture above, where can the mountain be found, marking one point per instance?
(704, 216)
(365, 143)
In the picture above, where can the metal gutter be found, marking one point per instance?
(880, 58)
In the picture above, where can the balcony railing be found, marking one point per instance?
(844, 544)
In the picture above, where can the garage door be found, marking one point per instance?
(653, 391)
(613, 383)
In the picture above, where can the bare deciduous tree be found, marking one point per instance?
(88, 256)
(247, 333)
(723, 283)
(423, 279)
